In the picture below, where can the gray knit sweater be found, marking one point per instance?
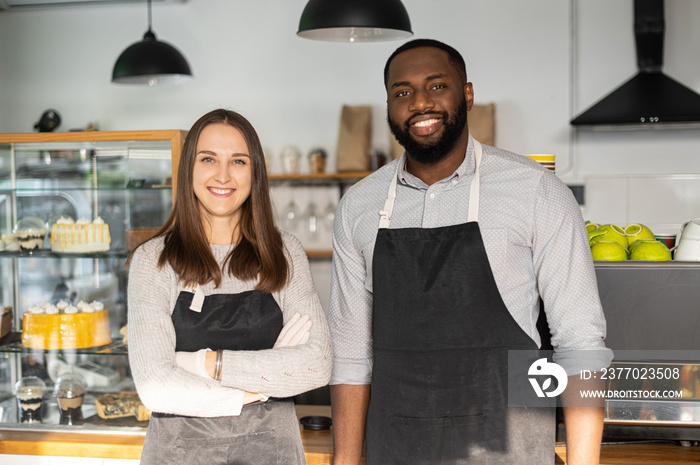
(282, 372)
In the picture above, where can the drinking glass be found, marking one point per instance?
(329, 215)
(290, 216)
(312, 222)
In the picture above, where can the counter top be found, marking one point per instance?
(317, 444)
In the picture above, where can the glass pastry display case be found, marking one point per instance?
(72, 207)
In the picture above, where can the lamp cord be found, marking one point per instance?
(149, 15)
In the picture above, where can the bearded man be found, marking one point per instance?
(440, 260)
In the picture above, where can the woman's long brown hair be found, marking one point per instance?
(259, 253)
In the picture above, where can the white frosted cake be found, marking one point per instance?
(68, 236)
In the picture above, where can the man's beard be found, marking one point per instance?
(432, 152)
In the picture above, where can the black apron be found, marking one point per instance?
(441, 335)
(266, 432)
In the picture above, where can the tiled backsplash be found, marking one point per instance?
(662, 202)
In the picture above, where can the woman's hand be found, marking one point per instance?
(202, 362)
(250, 397)
(295, 332)
(194, 362)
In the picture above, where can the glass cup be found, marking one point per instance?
(291, 158)
(317, 161)
(30, 398)
(329, 215)
(312, 220)
(30, 232)
(290, 217)
(70, 392)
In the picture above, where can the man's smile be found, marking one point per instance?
(425, 125)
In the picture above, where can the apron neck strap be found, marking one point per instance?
(473, 215)
(385, 213)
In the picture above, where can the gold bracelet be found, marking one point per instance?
(217, 365)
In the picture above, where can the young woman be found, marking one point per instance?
(224, 321)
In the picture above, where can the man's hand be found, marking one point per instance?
(584, 422)
(349, 405)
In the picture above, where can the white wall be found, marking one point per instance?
(648, 176)
(540, 61)
(246, 56)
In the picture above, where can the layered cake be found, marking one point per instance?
(68, 236)
(65, 326)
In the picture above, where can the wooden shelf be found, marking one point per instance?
(337, 177)
(177, 136)
(319, 253)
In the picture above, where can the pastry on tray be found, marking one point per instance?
(120, 405)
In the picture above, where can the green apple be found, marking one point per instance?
(636, 243)
(608, 251)
(637, 232)
(609, 232)
(650, 250)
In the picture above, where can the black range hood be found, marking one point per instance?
(650, 98)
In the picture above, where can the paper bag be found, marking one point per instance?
(354, 138)
(482, 123)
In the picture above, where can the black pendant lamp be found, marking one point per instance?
(355, 21)
(151, 62)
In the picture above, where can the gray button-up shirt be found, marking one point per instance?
(534, 237)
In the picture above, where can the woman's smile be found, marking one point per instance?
(220, 192)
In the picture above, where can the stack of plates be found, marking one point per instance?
(545, 160)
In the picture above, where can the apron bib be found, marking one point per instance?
(266, 432)
(441, 335)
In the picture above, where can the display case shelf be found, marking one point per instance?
(12, 343)
(47, 253)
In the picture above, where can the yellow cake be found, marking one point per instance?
(80, 236)
(49, 328)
